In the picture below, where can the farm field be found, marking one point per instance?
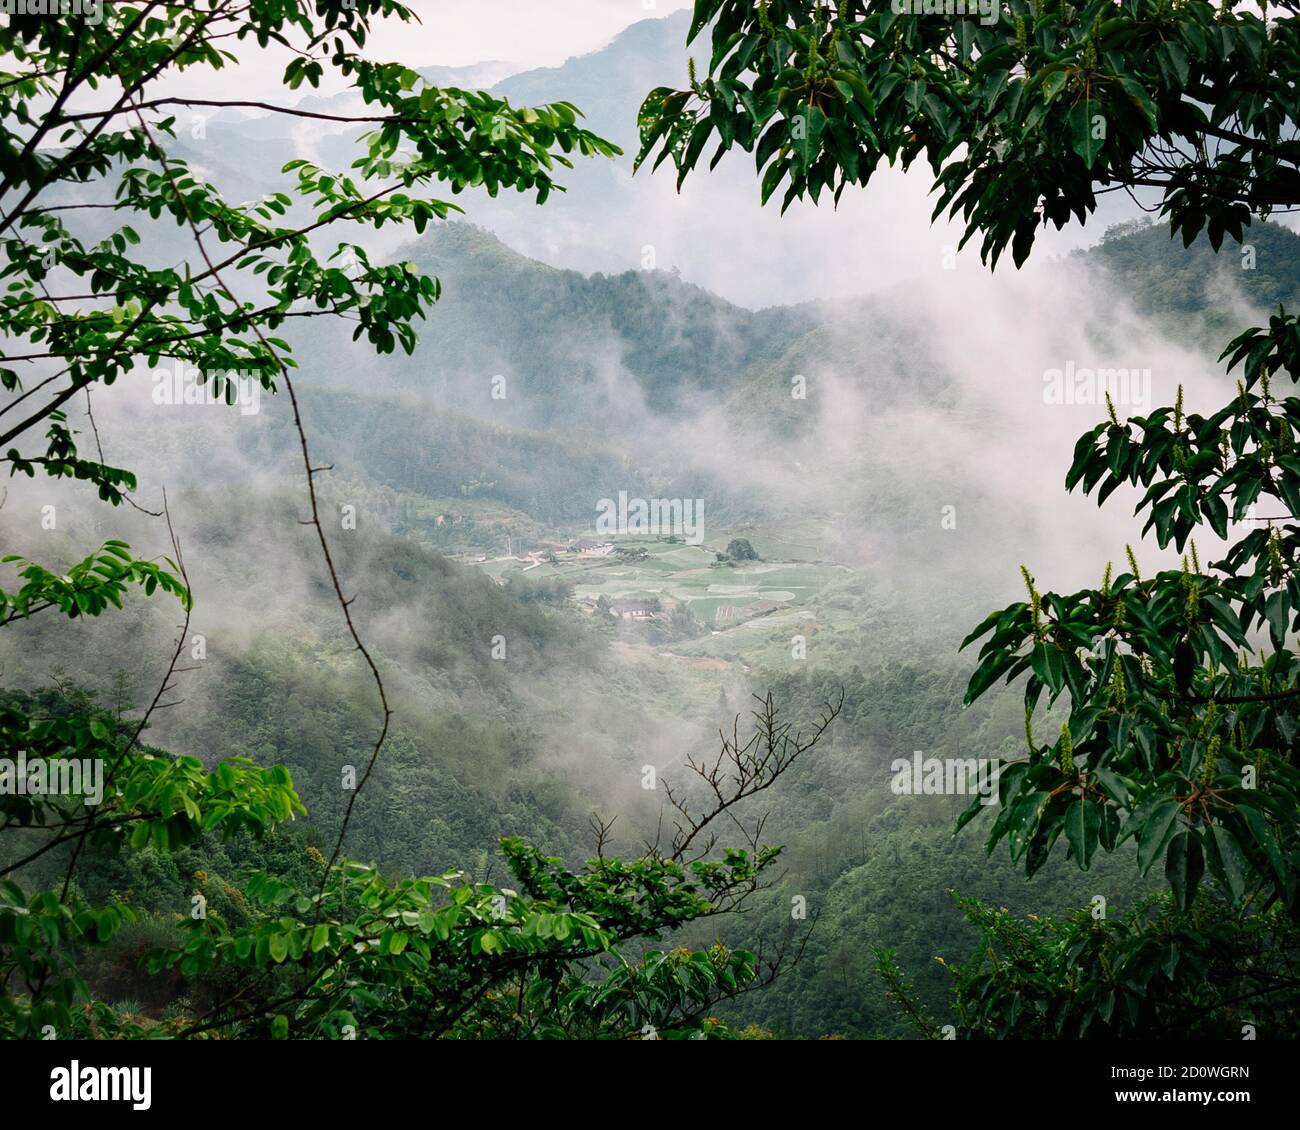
(722, 598)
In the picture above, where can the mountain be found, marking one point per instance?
(572, 349)
(1198, 285)
(609, 85)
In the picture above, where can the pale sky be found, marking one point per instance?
(532, 33)
(527, 33)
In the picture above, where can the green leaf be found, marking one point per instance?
(1082, 823)
(1184, 866)
(1232, 863)
(1266, 839)
(1156, 832)
(1087, 130)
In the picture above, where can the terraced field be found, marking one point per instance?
(721, 597)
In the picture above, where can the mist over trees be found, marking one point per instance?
(1181, 684)
(329, 714)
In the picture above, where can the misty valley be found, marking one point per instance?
(547, 550)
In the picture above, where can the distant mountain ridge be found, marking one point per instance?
(570, 349)
(1172, 279)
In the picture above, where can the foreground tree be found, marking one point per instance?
(1182, 686)
(85, 124)
(345, 952)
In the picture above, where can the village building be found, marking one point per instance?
(633, 609)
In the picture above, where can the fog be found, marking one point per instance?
(927, 388)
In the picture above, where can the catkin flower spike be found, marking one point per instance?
(1035, 602)
(1210, 719)
(1110, 410)
(1191, 593)
(1067, 750)
(1276, 568)
(1090, 48)
(1209, 767)
(842, 15)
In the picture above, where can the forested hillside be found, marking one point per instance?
(324, 544)
(478, 745)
